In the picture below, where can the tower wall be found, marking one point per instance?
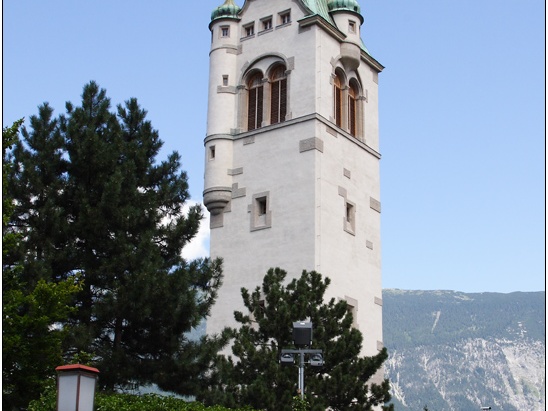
(304, 193)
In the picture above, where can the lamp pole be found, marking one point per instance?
(302, 337)
(287, 359)
(301, 373)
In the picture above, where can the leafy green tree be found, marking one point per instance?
(253, 376)
(93, 200)
(31, 342)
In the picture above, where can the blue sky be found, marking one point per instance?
(462, 116)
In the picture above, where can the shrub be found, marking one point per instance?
(127, 402)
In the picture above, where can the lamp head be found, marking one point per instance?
(316, 360)
(287, 359)
(302, 334)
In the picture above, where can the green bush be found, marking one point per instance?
(300, 404)
(127, 402)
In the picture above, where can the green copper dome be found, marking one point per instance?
(343, 5)
(228, 10)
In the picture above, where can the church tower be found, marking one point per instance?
(292, 153)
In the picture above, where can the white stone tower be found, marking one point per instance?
(292, 153)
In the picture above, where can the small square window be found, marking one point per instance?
(349, 212)
(211, 152)
(261, 206)
(249, 30)
(225, 31)
(351, 26)
(350, 217)
(225, 80)
(260, 212)
(267, 24)
(261, 216)
(352, 308)
(285, 17)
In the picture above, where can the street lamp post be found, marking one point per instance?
(302, 337)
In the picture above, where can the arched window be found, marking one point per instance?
(347, 103)
(337, 103)
(278, 96)
(255, 102)
(353, 110)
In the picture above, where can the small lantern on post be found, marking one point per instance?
(76, 387)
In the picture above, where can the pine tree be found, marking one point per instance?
(93, 201)
(253, 376)
(35, 182)
(31, 343)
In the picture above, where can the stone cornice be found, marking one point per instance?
(302, 119)
(218, 137)
(227, 47)
(371, 61)
(349, 137)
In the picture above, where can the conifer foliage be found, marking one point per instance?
(31, 344)
(92, 201)
(254, 376)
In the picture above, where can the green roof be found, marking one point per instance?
(343, 5)
(320, 8)
(228, 10)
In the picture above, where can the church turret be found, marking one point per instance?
(347, 17)
(222, 104)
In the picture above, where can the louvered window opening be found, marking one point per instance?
(255, 103)
(352, 102)
(338, 101)
(278, 102)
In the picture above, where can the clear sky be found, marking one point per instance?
(462, 115)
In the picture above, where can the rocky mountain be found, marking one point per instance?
(458, 351)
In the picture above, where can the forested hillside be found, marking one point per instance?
(457, 351)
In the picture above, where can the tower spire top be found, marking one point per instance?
(228, 10)
(346, 5)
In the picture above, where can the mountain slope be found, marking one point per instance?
(460, 351)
